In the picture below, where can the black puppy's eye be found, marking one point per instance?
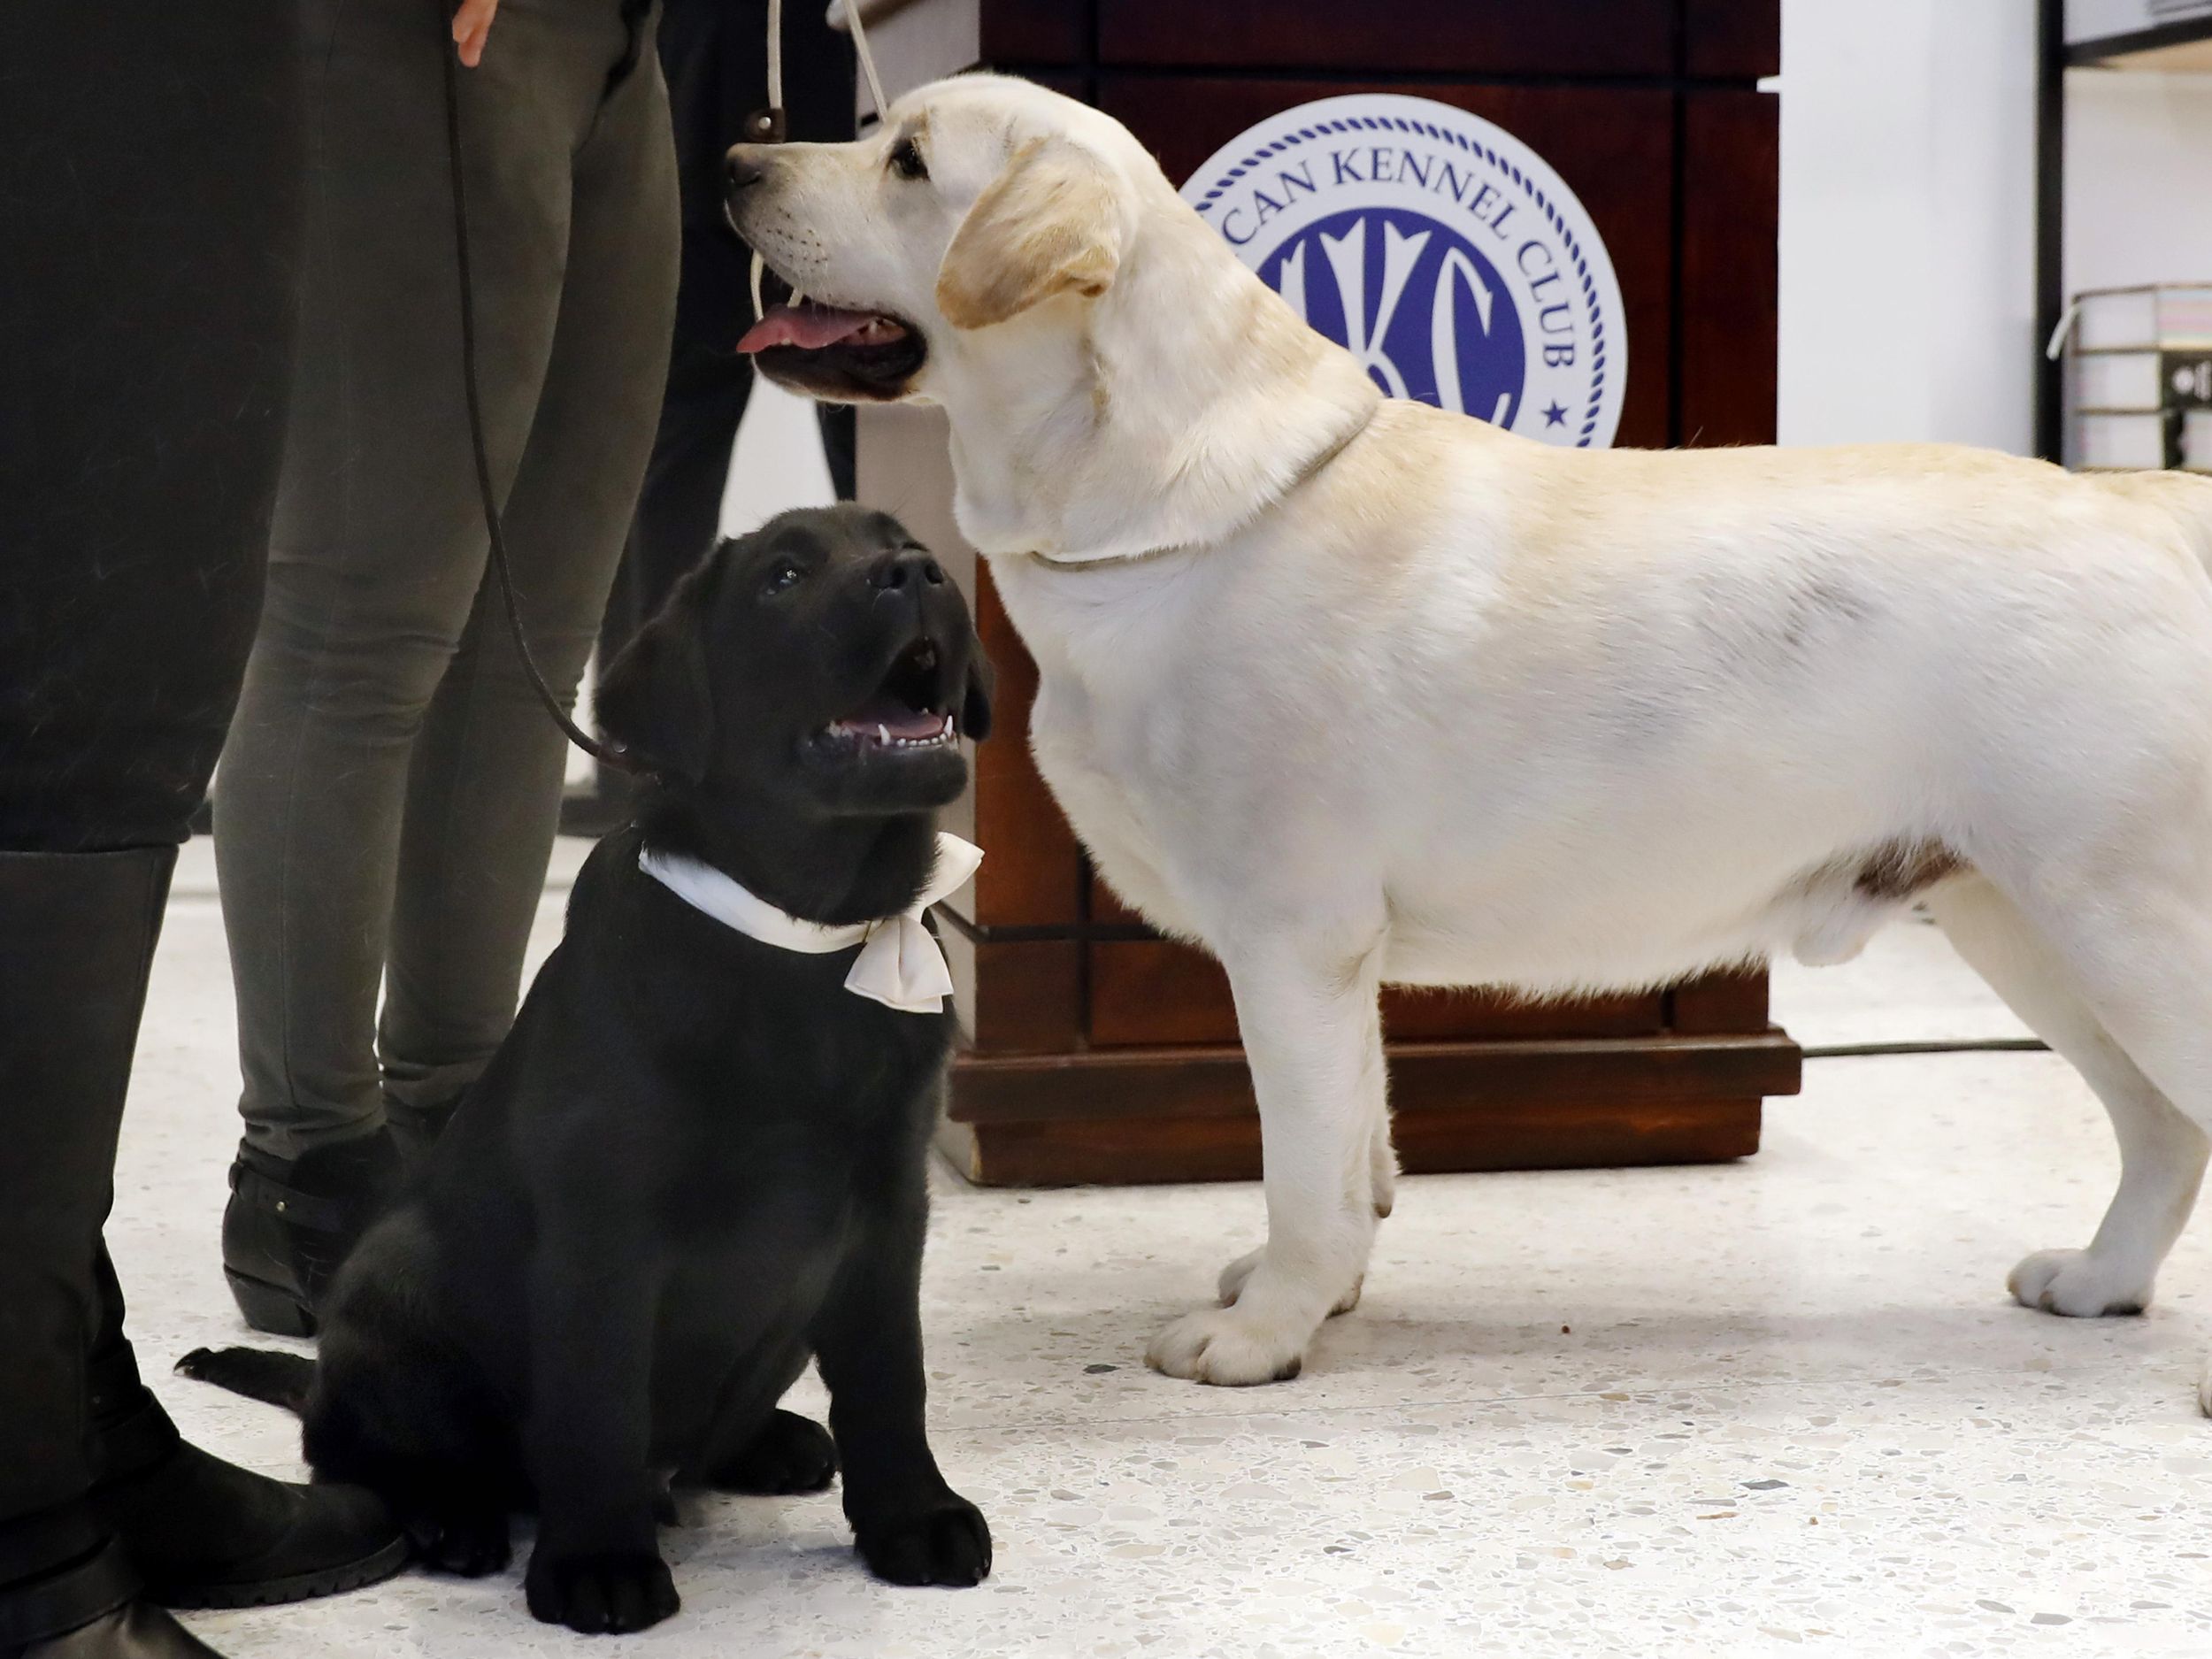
(786, 574)
(906, 160)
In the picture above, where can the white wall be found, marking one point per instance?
(1908, 280)
(1907, 213)
(2139, 203)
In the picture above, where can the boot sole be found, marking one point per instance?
(270, 1308)
(302, 1587)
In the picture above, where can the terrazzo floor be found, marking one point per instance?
(1780, 1407)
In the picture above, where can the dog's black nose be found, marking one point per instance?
(909, 567)
(744, 167)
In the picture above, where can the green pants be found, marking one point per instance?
(388, 801)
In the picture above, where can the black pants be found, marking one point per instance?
(391, 787)
(148, 204)
(713, 53)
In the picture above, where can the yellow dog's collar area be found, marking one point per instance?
(1304, 475)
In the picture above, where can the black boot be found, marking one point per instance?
(88, 1609)
(206, 1533)
(137, 1629)
(291, 1225)
(61, 1575)
(77, 933)
(203, 1532)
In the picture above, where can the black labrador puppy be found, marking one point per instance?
(698, 1159)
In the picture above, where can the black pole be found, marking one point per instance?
(2050, 219)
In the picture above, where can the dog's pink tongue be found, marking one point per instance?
(809, 326)
(890, 715)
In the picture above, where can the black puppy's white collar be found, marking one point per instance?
(900, 965)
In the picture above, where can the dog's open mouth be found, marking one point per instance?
(834, 350)
(910, 711)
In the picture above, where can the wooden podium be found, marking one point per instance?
(1098, 1052)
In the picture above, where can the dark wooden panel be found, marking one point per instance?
(1149, 992)
(1718, 1002)
(1414, 1014)
(1103, 1152)
(1135, 1151)
(1615, 149)
(1033, 871)
(1731, 144)
(1106, 905)
(1543, 37)
(1578, 1135)
(1155, 991)
(1020, 996)
(1033, 32)
(1069, 85)
(1470, 1077)
(1736, 40)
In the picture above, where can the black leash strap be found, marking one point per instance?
(614, 755)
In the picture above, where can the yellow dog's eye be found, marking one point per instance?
(906, 160)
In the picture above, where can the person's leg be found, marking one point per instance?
(679, 504)
(712, 53)
(77, 932)
(141, 424)
(839, 447)
(375, 559)
(680, 509)
(705, 47)
(819, 74)
(713, 57)
(484, 798)
(379, 544)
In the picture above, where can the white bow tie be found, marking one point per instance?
(900, 966)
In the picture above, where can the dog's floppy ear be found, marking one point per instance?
(655, 697)
(975, 701)
(1046, 226)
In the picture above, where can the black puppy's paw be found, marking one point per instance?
(469, 1542)
(790, 1454)
(601, 1594)
(947, 1542)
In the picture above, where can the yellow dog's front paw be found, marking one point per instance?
(1238, 1272)
(2080, 1284)
(1227, 1347)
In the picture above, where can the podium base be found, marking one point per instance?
(1137, 1116)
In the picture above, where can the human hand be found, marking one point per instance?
(472, 24)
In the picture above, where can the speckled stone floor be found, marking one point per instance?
(1774, 1408)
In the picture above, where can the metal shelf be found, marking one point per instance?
(2182, 45)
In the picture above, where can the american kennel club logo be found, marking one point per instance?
(1442, 251)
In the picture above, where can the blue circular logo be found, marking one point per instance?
(1439, 250)
(1415, 301)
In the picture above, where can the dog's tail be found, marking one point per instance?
(266, 1374)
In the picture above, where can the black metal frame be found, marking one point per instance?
(2050, 219)
(2091, 53)
(2054, 58)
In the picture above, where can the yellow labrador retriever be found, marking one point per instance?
(1353, 691)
